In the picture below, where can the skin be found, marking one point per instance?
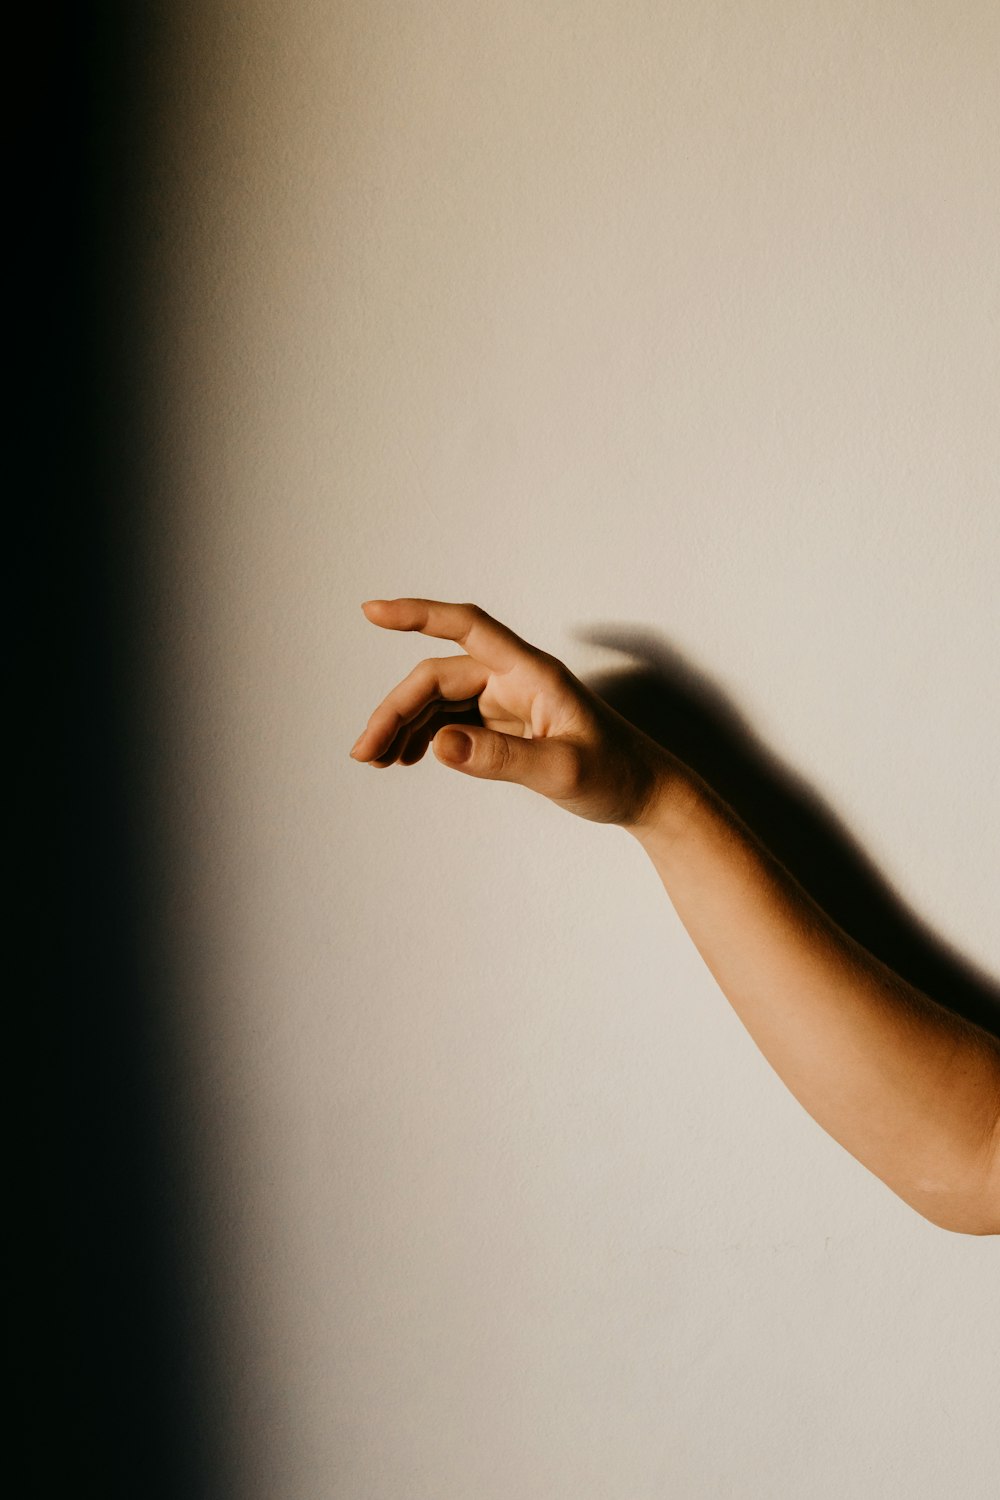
(911, 1090)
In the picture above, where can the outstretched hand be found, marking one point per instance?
(506, 711)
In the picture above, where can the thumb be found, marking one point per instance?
(545, 766)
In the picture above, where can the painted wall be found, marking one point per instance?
(674, 323)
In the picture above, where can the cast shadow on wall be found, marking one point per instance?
(679, 707)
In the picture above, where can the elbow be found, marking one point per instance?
(984, 1221)
(972, 1207)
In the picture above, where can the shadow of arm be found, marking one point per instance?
(818, 957)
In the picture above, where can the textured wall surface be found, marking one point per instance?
(679, 319)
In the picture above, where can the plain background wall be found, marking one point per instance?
(680, 318)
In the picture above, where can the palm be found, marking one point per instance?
(520, 702)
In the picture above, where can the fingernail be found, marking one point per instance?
(357, 742)
(457, 746)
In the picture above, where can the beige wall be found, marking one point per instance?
(680, 317)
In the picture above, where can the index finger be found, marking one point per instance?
(486, 639)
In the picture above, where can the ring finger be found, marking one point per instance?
(457, 679)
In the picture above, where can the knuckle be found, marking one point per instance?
(500, 756)
(557, 670)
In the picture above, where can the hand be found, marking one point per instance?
(524, 717)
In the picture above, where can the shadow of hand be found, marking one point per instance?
(678, 706)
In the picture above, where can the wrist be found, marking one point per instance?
(669, 804)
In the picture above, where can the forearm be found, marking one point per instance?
(909, 1089)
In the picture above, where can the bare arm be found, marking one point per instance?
(908, 1088)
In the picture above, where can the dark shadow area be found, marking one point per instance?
(679, 707)
(115, 1359)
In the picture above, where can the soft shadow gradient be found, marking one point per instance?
(129, 1390)
(679, 706)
